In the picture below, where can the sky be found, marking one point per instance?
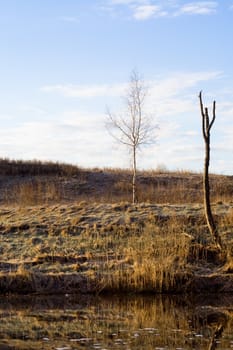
(63, 63)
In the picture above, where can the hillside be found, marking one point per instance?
(64, 229)
(28, 183)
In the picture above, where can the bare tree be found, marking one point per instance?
(134, 128)
(206, 127)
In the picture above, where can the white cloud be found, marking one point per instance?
(81, 138)
(74, 137)
(180, 81)
(33, 109)
(70, 90)
(127, 2)
(6, 117)
(147, 9)
(198, 8)
(144, 12)
(164, 87)
(174, 95)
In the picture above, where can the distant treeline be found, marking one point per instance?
(36, 168)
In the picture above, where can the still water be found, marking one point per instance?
(116, 322)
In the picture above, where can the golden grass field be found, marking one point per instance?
(76, 231)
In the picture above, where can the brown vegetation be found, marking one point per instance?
(58, 234)
(33, 183)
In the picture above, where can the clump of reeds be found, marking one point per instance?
(154, 260)
(33, 192)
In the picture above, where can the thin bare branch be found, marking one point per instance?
(214, 115)
(203, 116)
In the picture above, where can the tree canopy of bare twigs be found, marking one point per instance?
(134, 128)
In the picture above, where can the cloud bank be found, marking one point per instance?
(141, 10)
(172, 101)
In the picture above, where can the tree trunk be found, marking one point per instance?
(206, 189)
(206, 126)
(134, 180)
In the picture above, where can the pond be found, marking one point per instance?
(116, 322)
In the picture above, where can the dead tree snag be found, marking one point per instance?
(206, 127)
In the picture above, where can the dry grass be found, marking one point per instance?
(154, 258)
(36, 168)
(33, 192)
(77, 230)
(105, 247)
(35, 182)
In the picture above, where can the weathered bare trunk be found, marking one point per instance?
(206, 126)
(206, 189)
(134, 180)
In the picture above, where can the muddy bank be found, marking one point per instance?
(212, 284)
(185, 283)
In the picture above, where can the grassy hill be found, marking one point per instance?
(66, 229)
(35, 182)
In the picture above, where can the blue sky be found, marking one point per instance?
(62, 62)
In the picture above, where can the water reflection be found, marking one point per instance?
(117, 322)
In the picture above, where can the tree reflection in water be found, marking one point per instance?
(113, 322)
(210, 322)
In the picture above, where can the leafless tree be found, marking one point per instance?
(206, 127)
(134, 129)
